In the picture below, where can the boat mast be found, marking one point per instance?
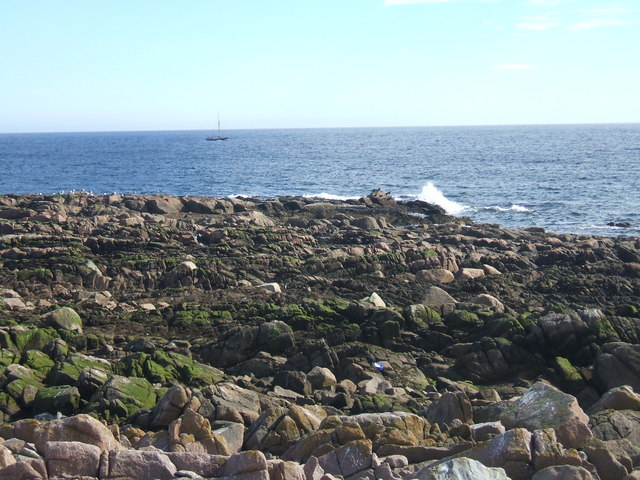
(219, 125)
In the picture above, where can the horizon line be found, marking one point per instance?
(326, 127)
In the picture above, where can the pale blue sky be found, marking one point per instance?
(77, 65)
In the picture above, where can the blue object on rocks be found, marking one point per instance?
(378, 366)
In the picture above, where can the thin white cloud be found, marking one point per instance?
(612, 15)
(538, 26)
(611, 10)
(513, 66)
(391, 3)
(599, 23)
(545, 3)
(540, 23)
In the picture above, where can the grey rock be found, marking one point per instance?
(437, 297)
(436, 275)
(543, 406)
(321, 377)
(169, 408)
(450, 407)
(469, 273)
(64, 318)
(563, 472)
(489, 301)
(618, 398)
(232, 432)
(511, 451)
(618, 364)
(461, 469)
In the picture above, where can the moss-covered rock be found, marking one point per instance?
(57, 349)
(9, 405)
(155, 373)
(5, 340)
(420, 316)
(21, 385)
(185, 369)
(510, 327)
(7, 357)
(41, 337)
(37, 360)
(16, 371)
(275, 337)
(68, 372)
(192, 317)
(463, 320)
(120, 397)
(90, 380)
(23, 391)
(63, 398)
(625, 329)
(168, 367)
(569, 376)
(88, 342)
(21, 336)
(132, 365)
(372, 403)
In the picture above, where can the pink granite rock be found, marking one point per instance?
(141, 465)
(72, 459)
(79, 428)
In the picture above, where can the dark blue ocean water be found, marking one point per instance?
(574, 179)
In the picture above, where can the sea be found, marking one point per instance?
(582, 179)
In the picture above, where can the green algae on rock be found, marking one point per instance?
(169, 292)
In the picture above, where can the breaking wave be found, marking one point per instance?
(431, 194)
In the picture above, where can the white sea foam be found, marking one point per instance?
(330, 196)
(431, 194)
(513, 208)
(607, 227)
(520, 208)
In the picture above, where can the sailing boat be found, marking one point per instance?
(219, 137)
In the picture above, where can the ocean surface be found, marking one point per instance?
(568, 178)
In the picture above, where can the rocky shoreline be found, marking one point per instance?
(167, 337)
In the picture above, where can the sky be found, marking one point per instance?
(78, 65)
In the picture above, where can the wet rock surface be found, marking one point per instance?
(182, 337)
